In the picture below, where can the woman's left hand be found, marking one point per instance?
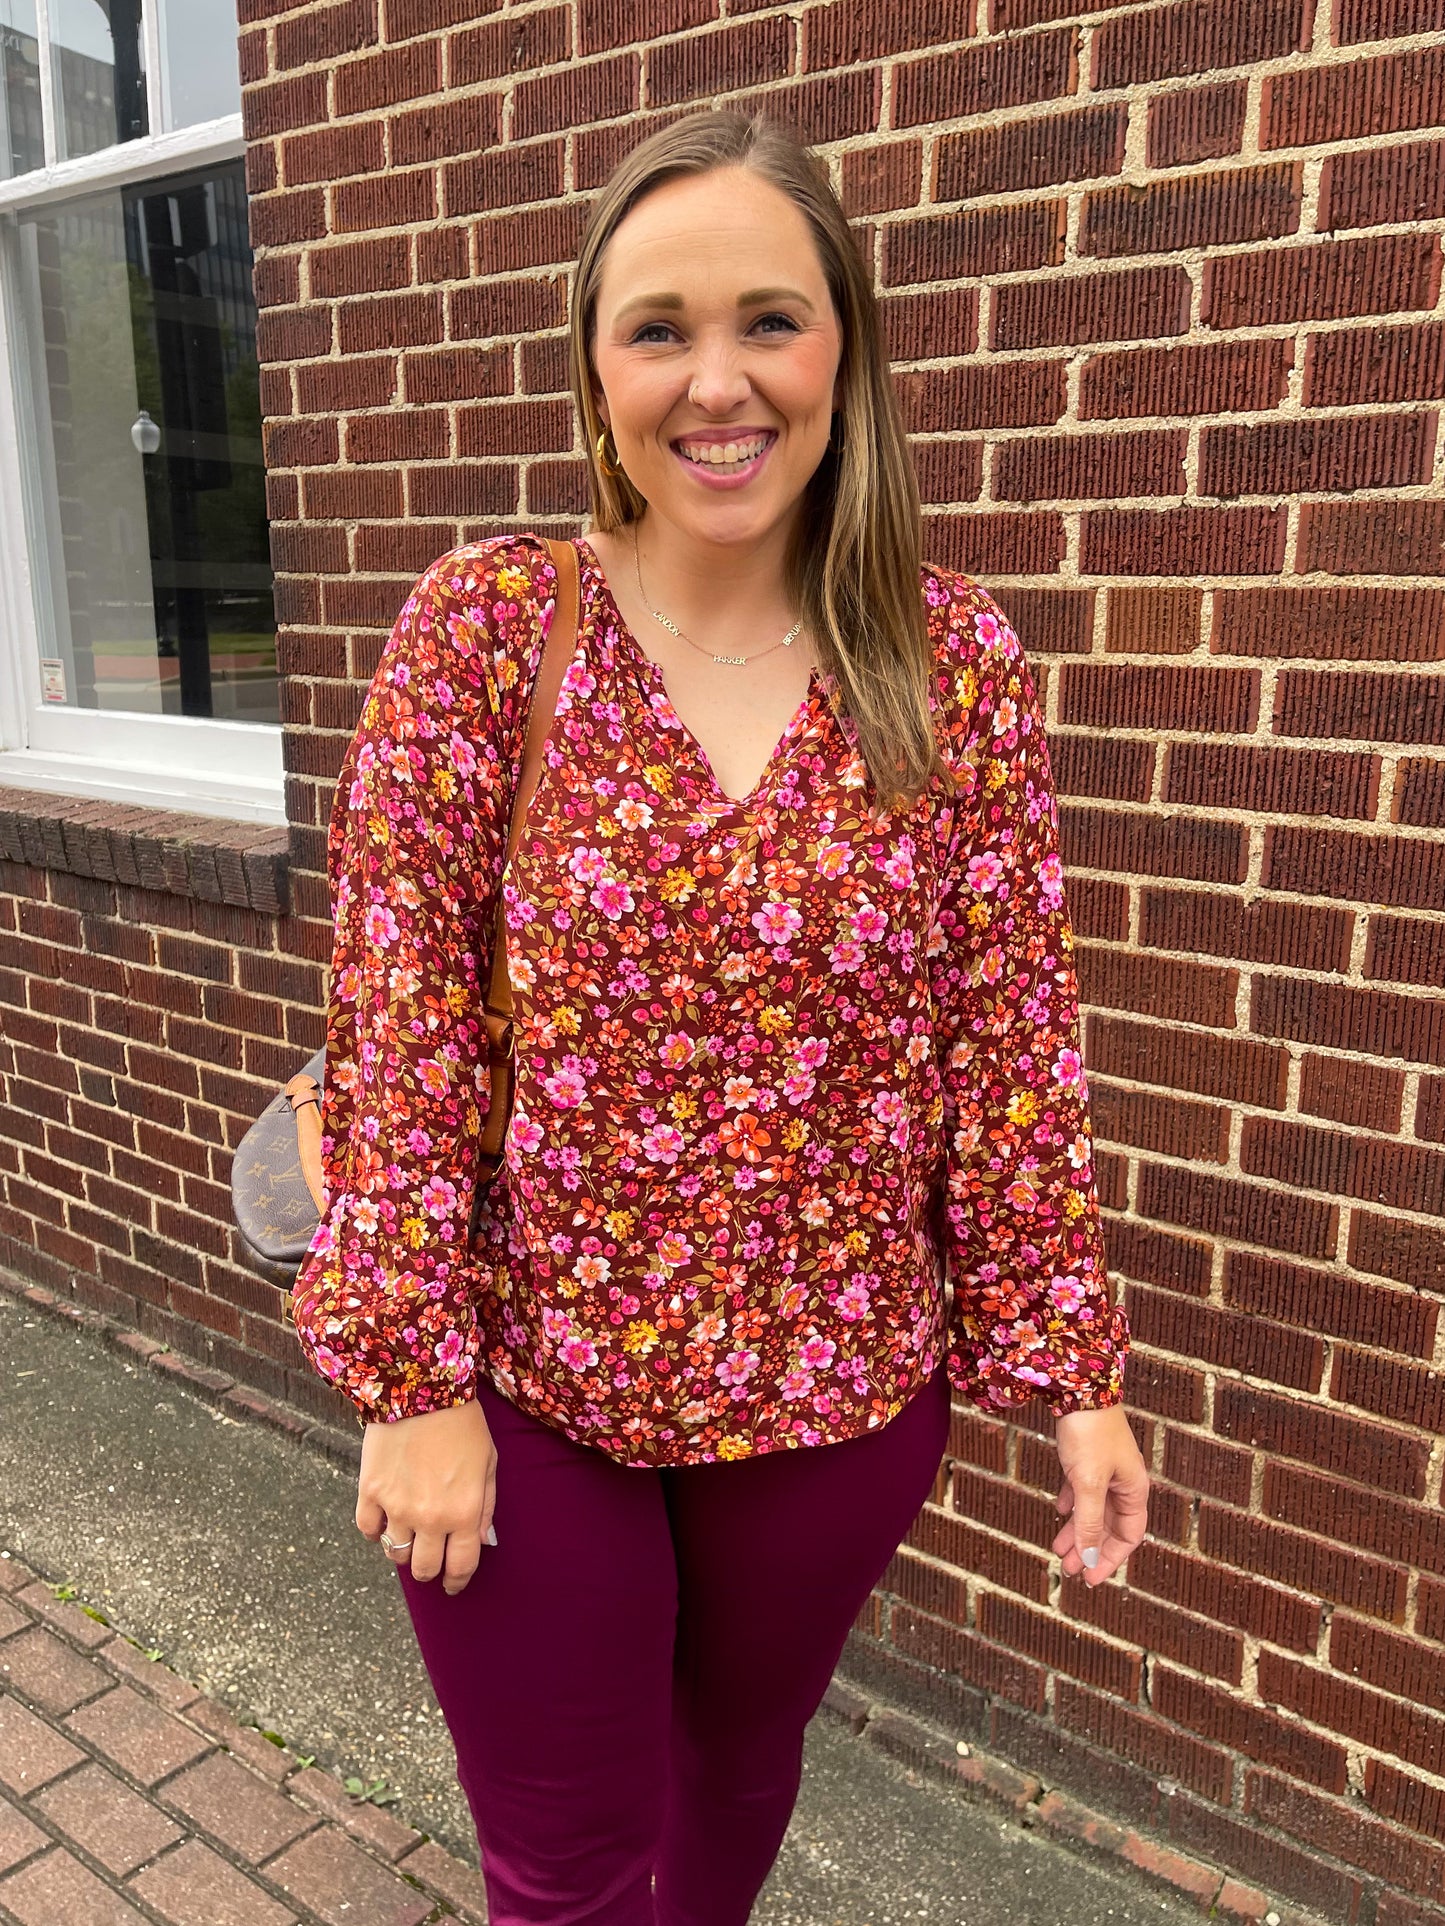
(1105, 1493)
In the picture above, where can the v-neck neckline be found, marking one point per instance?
(652, 672)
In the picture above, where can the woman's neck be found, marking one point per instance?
(712, 591)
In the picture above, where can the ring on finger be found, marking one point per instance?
(397, 1544)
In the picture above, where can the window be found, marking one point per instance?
(137, 631)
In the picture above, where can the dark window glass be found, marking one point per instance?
(100, 90)
(142, 337)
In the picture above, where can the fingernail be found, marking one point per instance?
(1090, 1556)
(492, 1536)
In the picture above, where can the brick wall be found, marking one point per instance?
(1162, 285)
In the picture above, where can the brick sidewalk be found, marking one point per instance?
(128, 1799)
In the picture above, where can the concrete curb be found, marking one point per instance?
(1066, 1820)
(238, 1400)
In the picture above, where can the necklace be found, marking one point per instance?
(736, 661)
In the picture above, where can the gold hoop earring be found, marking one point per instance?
(608, 467)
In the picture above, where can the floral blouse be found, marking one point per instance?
(785, 1067)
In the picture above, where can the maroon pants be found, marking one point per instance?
(628, 1675)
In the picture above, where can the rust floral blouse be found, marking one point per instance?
(783, 1064)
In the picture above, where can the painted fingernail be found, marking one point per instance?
(492, 1536)
(1090, 1556)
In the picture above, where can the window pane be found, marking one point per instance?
(100, 90)
(142, 340)
(22, 141)
(203, 72)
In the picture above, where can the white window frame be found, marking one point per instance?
(216, 767)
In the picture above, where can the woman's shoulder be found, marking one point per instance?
(490, 573)
(965, 622)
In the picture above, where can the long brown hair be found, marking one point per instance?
(854, 564)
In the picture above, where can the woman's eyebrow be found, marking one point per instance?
(672, 302)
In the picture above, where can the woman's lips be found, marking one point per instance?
(720, 475)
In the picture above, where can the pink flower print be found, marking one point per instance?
(738, 1092)
(592, 1269)
(449, 1352)
(577, 1353)
(1051, 880)
(663, 1144)
(673, 1249)
(777, 922)
(1022, 1195)
(556, 1323)
(525, 1135)
(1068, 1068)
(434, 1078)
(1067, 1294)
(579, 680)
(888, 1106)
(854, 1302)
(799, 1085)
(987, 627)
(833, 859)
(899, 868)
(811, 1052)
(633, 813)
(1005, 716)
(817, 1354)
(677, 1050)
(463, 755)
(797, 1384)
(737, 1367)
(588, 864)
(327, 1362)
(985, 872)
(612, 897)
(438, 1197)
(381, 925)
(844, 956)
(568, 1087)
(868, 924)
(1078, 1151)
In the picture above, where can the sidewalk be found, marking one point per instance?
(131, 1797)
(233, 1551)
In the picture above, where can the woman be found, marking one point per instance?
(797, 1025)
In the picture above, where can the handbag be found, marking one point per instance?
(277, 1190)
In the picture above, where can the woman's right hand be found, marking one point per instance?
(431, 1478)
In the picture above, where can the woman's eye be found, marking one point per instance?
(786, 320)
(651, 330)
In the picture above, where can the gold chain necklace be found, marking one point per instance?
(736, 661)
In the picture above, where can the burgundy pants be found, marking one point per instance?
(628, 1675)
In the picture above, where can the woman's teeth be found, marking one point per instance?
(724, 454)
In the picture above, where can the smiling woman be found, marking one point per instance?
(796, 1048)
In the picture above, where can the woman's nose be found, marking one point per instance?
(718, 382)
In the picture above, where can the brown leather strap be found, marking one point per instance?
(305, 1093)
(497, 1010)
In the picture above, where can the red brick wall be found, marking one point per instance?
(1162, 284)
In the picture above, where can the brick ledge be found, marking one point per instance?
(204, 857)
